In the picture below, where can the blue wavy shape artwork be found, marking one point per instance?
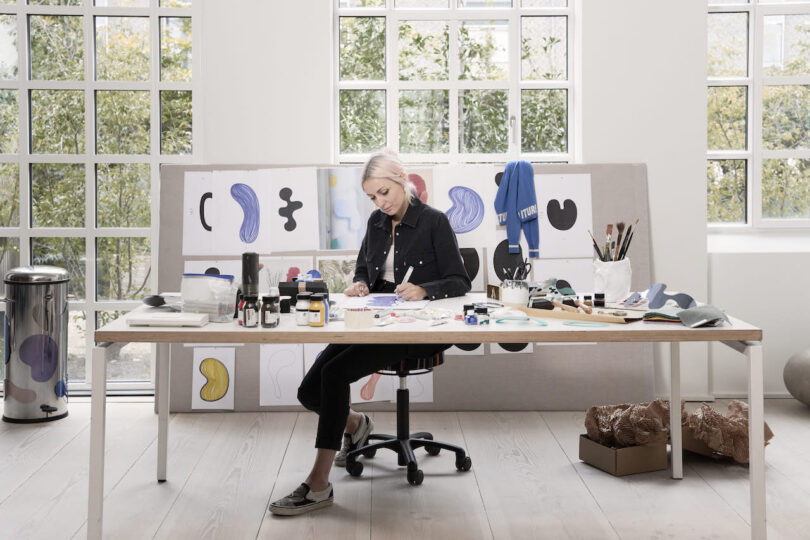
(40, 353)
(467, 209)
(247, 199)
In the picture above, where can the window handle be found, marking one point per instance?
(512, 124)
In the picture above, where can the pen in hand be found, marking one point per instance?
(406, 278)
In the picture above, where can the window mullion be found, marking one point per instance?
(755, 118)
(453, 91)
(24, 149)
(89, 28)
(392, 79)
(513, 88)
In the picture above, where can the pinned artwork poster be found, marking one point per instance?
(466, 349)
(579, 273)
(473, 263)
(199, 213)
(565, 209)
(466, 194)
(223, 266)
(281, 370)
(422, 180)
(212, 379)
(274, 270)
(501, 264)
(292, 208)
(344, 206)
(374, 387)
(337, 271)
(240, 222)
(510, 348)
(311, 352)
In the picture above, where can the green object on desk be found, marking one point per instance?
(510, 319)
(587, 324)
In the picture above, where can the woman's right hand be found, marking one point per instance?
(358, 288)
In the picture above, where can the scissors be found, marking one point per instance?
(523, 269)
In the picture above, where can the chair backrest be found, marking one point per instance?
(415, 365)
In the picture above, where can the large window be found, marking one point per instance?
(454, 80)
(758, 167)
(94, 95)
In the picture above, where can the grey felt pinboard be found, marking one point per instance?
(553, 377)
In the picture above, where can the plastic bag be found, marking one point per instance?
(613, 279)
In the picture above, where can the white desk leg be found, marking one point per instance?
(163, 384)
(98, 411)
(675, 408)
(756, 439)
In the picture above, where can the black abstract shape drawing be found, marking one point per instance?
(562, 217)
(504, 262)
(498, 178)
(472, 263)
(513, 347)
(207, 195)
(287, 211)
(468, 346)
(247, 199)
(212, 271)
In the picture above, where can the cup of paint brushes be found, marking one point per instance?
(613, 279)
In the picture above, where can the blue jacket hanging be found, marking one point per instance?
(516, 206)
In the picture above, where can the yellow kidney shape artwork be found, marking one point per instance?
(217, 378)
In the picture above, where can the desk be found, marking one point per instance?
(739, 335)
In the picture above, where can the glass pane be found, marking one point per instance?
(786, 45)
(482, 50)
(9, 258)
(122, 195)
(8, 47)
(786, 117)
(362, 48)
(9, 133)
(484, 3)
(122, 3)
(175, 3)
(67, 253)
(123, 266)
(786, 188)
(362, 120)
(9, 196)
(130, 363)
(727, 117)
(55, 2)
(424, 121)
(122, 48)
(421, 3)
(57, 121)
(423, 47)
(57, 195)
(77, 346)
(175, 122)
(544, 3)
(728, 44)
(175, 49)
(483, 124)
(122, 123)
(360, 3)
(57, 47)
(544, 120)
(544, 48)
(726, 190)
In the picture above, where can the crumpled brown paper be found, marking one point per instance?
(630, 424)
(726, 434)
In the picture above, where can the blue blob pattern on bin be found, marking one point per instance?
(41, 353)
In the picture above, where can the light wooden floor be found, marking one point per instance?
(526, 481)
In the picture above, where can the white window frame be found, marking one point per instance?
(514, 85)
(755, 81)
(24, 158)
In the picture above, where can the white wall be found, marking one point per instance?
(643, 94)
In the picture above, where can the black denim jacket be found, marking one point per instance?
(424, 240)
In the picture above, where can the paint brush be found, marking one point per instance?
(620, 226)
(627, 245)
(627, 239)
(608, 232)
(596, 247)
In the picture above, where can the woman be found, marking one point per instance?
(402, 233)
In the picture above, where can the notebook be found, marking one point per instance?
(165, 318)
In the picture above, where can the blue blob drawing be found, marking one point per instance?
(247, 199)
(60, 389)
(40, 353)
(467, 210)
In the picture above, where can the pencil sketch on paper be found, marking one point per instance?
(467, 210)
(247, 199)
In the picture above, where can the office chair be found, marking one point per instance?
(404, 443)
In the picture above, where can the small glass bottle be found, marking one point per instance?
(270, 315)
(317, 310)
(251, 312)
(302, 308)
(240, 310)
(482, 314)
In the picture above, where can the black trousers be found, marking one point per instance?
(325, 388)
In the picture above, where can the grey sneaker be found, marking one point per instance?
(357, 440)
(303, 500)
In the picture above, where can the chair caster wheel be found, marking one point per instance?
(370, 453)
(433, 450)
(415, 477)
(464, 464)
(354, 468)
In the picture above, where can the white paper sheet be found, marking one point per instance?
(224, 266)
(197, 195)
(422, 180)
(277, 269)
(311, 352)
(280, 374)
(565, 210)
(516, 348)
(466, 193)
(346, 210)
(381, 301)
(420, 388)
(292, 208)
(213, 377)
(337, 271)
(241, 222)
(577, 272)
(374, 387)
(479, 350)
(475, 264)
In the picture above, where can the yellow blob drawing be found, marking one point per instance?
(332, 180)
(216, 374)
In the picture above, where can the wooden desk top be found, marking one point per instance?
(420, 332)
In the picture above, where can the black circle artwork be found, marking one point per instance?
(472, 264)
(513, 347)
(562, 217)
(468, 346)
(498, 178)
(505, 262)
(207, 195)
(212, 271)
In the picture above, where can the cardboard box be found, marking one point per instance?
(623, 461)
(693, 444)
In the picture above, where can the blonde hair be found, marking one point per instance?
(386, 164)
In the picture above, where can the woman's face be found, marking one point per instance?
(387, 195)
